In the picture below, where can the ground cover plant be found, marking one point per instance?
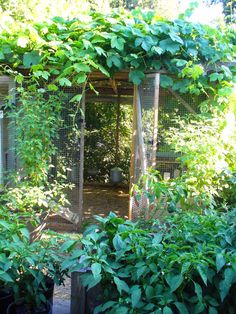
(185, 265)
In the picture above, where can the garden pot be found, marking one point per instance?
(116, 175)
(6, 298)
(84, 301)
(50, 289)
(22, 308)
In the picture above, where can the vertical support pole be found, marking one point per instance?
(142, 150)
(155, 126)
(133, 147)
(1, 151)
(117, 131)
(81, 165)
(12, 162)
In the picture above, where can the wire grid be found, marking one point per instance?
(7, 134)
(170, 110)
(66, 161)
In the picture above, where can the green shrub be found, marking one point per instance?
(185, 265)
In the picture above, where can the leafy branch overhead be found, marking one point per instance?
(65, 52)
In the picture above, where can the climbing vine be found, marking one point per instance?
(60, 53)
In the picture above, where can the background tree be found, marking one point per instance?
(229, 9)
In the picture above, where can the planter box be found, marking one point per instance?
(83, 301)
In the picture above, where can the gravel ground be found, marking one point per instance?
(61, 299)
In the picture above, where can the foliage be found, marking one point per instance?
(36, 127)
(64, 52)
(100, 133)
(26, 267)
(186, 265)
(206, 144)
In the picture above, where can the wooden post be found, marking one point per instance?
(133, 147)
(78, 295)
(142, 150)
(155, 126)
(81, 165)
(117, 131)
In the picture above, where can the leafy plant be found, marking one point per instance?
(26, 267)
(185, 265)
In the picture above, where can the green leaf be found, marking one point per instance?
(226, 71)
(135, 295)
(121, 285)
(136, 76)
(25, 232)
(5, 277)
(226, 283)
(216, 76)
(68, 245)
(179, 62)
(117, 42)
(118, 243)
(52, 87)
(100, 51)
(81, 78)
(81, 67)
(169, 45)
(220, 262)
(167, 310)
(181, 307)
(114, 59)
(103, 70)
(64, 82)
(198, 291)
(166, 81)
(174, 281)
(175, 37)
(30, 58)
(2, 57)
(5, 224)
(96, 270)
(157, 239)
(185, 267)
(212, 310)
(121, 310)
(76, 98)
(199, 307)
(202, 270)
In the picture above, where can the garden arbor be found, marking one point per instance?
(124, 58)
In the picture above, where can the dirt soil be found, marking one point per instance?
(101, 200)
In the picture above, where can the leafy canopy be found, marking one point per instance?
(65, 52)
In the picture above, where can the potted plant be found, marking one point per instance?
(28, 270)
(38, 268)
(6, 293)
